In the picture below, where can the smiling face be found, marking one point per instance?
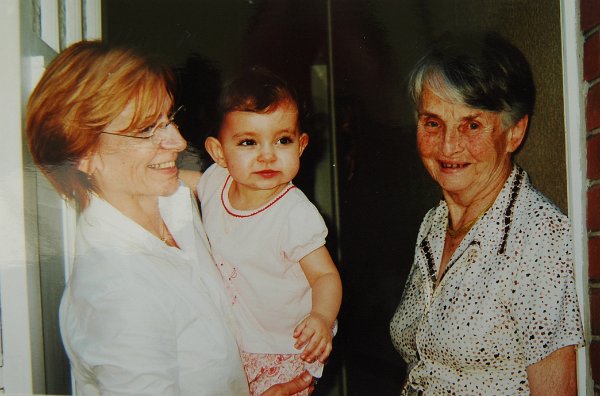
(260, 150)
(127, 168)
(465, 150)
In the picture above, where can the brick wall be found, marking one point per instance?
(590, 26)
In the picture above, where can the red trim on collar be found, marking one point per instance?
(253, 213)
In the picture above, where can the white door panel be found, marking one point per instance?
(37, 230)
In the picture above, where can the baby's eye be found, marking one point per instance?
(286, 140)
(247, 142)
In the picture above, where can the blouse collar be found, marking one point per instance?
(124, 232)
(490, 233)
(494, 227)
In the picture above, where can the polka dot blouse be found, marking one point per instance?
(506, 301)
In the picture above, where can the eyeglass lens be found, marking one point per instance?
(162, 127)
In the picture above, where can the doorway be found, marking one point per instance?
(349, 59)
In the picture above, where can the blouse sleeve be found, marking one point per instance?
(304, 232)
(544, 301)
(207, 186)
(126, 339)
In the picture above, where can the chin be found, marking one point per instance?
(451, 185)
(169, 190)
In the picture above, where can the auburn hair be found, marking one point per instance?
(82, 91)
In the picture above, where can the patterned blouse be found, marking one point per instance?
(507, 298)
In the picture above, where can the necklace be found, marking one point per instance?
(168, 237)
(466, 227)
(165, 235)
(156, 225)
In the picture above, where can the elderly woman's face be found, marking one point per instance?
(465, 150)
(128, 166)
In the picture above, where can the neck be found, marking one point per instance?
(464, 209)
(242, 198)
(141, 209)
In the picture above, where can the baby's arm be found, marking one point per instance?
(190, 178)
(314, 333)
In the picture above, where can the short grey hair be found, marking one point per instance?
(481, 71)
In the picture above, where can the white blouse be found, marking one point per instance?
(506, 300)
(141, 318)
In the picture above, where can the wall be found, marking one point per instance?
(590, 29)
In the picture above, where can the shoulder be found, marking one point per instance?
(102, 271)
(215, 172)
(534, 211)
(299, 206)
(434, 214)
(212, 180)
(435, 217)
(538, 235)
(303, 227)
(297, 196)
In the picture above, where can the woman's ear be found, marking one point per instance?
(214, 148)
(303, 140)
(88, 164)
(516, 134)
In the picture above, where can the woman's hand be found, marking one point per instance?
(298, 384)
(314, 333)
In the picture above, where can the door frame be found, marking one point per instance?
(22, 369)
(575, 135)
(31, 34)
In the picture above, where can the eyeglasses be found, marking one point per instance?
(154, 130)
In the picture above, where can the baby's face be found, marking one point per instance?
(262, 150)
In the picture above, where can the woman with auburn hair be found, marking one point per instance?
(81, 91)
(144, 311)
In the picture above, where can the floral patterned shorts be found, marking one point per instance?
(266, 370)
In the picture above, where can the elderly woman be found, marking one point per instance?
(144, 312)
(489, 306)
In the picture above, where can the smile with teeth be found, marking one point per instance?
(446, 165)
(163, 165)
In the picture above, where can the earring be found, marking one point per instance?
(89, 176)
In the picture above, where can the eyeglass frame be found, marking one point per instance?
(170, 121)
